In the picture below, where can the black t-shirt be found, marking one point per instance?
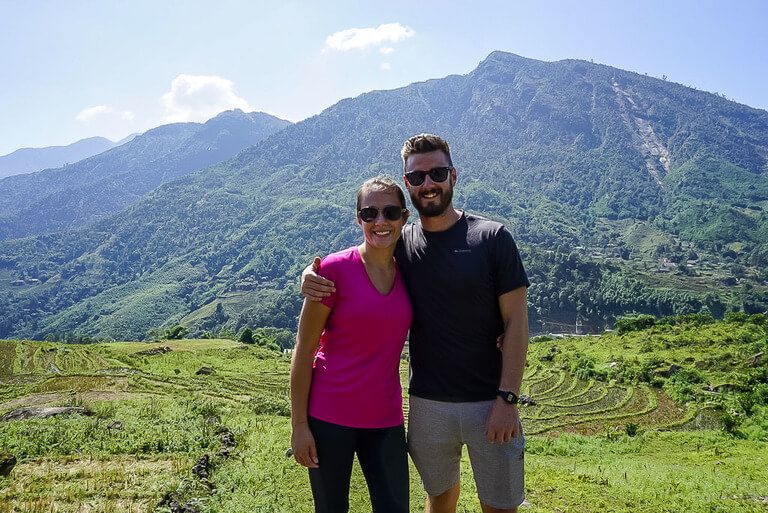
(454, 278)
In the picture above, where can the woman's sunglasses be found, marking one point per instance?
(436, 174)
(390, 212)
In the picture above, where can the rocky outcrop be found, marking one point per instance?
(202, 471)
(154, 351)
(7, 462)
(44, 413)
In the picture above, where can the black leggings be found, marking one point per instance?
(383, 458)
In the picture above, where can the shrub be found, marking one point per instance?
(736, 317)
(246, 336)
(631, 429)
(175, 332)
(683, 385)
(583, 367)
(730, 423)
(635, 323)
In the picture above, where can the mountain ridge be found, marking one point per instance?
(544, 147)
(29, 160)
(71, 196)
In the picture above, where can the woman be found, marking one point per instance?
(345, 383)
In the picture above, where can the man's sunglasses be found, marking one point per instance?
(436, 174)
(390, 212)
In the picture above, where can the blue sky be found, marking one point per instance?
(73, 69)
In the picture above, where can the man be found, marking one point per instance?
(467, 285)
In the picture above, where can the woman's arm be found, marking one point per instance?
(311, 324)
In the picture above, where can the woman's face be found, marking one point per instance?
(381, 232)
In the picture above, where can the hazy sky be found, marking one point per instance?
(73, 69)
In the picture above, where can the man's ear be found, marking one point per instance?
(454, 176)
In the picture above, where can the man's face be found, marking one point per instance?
(430, 198)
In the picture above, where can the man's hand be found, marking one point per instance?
(503, 422)
(303, 446)
(313, 286)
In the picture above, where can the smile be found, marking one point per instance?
(382, 233)
(429, 195)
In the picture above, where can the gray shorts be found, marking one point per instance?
(436, 432)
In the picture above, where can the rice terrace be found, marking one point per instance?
(660, 415)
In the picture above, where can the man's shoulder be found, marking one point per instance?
(476, 222)
(410, 232)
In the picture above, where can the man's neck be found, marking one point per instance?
(442, 222)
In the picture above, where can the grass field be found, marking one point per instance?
(601, 438)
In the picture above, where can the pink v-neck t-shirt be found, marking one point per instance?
(356, 374)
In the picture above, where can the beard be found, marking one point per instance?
(431, 208)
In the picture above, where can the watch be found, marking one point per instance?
(509, 397)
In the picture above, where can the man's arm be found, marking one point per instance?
(504, 420)
(313, 286)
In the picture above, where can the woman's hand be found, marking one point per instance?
(303, 445)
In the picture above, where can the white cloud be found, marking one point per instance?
(86, 115)
(386, 66)
(103, 112)
(360, 38)
(385, 50)
(200, 97)
(105, 121)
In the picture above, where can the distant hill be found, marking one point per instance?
(29, 160)
(75, 194)
(627, 193)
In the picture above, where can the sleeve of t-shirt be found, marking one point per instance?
(329, 269)
(509, 272)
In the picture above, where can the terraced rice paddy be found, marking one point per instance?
(154, 416)
(565, 403)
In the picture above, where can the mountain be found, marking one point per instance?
(127, 138)
(78, 193)
(28, 160)
(626, 193)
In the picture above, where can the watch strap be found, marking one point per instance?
(509, 397)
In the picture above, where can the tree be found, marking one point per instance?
(246, 336)
(175, 332)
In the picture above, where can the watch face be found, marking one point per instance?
(508, 397)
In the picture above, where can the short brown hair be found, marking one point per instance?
(380, 183)
(424, 143)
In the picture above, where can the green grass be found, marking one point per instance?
(579, 455)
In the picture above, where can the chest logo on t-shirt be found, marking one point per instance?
(462, 251)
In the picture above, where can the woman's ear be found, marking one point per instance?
(406, 213)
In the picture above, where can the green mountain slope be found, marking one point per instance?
(596, 171)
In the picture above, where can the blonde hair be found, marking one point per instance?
(383, 184)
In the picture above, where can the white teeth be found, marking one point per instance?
(429, 195)
(382, 234)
